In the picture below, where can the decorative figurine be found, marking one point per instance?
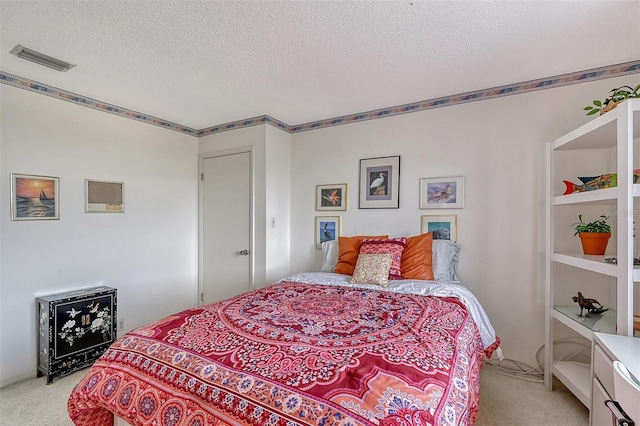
(591, 305)
(592, 183)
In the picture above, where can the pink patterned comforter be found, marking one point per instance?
(292, 354)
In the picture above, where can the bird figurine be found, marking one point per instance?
(591, 305)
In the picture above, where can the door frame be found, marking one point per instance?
(223, 153)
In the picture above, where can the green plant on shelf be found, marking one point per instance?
(616, 96)
(599, 225)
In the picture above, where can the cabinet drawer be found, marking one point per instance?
(599, 414)
(603, 368)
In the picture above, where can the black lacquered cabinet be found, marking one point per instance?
(74, 329)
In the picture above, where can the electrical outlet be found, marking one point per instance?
(121, 325)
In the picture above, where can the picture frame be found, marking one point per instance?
(34, 197)
(442, 193)
(444, 227)
(380, 183)
(331, 197)
(327, 229)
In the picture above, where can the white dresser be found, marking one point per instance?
(607, 348)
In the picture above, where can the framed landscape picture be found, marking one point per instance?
(327, 229)
(331, 197)
(34, 197)
(380, 183)
(442, 193)
(444, 227)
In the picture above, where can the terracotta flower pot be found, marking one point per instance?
(594, 242)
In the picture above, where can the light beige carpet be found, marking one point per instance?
(509, 401)
(503, 401)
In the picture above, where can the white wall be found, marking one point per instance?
(499, 147)
(278, 203)
(149, 253)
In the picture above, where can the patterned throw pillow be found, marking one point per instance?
(372, 269)
(348, 249)
(393, 246)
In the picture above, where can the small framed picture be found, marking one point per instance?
(34, 197)
(442, 193)
(380, 183)
(331, 197)
(327, 229)
(444, 227)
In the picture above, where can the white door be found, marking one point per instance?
(226, 226)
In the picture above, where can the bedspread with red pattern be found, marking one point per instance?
(292, 354)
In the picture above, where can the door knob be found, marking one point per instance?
(244, 252)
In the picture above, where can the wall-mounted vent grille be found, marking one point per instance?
(104, 197)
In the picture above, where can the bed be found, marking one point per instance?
(312, 349)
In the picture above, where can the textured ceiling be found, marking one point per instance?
(202, 63)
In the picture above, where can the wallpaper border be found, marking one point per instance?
(600, 73)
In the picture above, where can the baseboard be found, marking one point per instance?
(17, 380)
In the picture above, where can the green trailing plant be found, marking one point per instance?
(616, 96)
(599, 225)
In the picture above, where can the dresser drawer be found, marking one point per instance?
(599, 414)
(603, 368)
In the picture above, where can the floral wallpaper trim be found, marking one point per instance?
(600, 73)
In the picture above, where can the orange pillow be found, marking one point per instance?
(348, 250)
(417, 258)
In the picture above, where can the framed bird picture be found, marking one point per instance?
(331, 197)
(380, 183)
(442, 193)
(327, 229)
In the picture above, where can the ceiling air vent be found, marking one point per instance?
(41, 58)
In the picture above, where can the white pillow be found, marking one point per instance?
(329, 255)
(445, 260)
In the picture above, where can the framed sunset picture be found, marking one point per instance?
(34, 197)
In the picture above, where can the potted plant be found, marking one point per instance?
(616, 96)
(594, 236)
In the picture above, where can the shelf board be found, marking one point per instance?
(585, 326)
(588, 262)
(597, 133)
(576, 377)
(601, 132)
(593, 263)
(597, 196)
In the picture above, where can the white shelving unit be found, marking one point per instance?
(613, 131)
